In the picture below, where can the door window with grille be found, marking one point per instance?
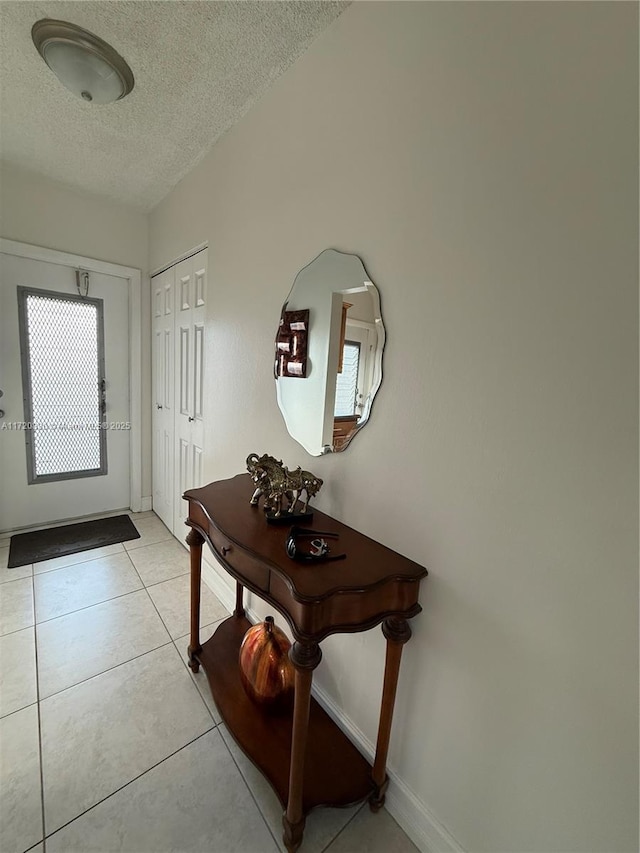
(62, 351)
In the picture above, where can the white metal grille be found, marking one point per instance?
(347, 382)
(63, 338)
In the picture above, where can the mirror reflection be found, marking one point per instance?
(329, 368)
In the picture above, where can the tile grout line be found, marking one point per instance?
(248, 787)
(17, 710)
(96, 603)
(130, 782)
(277, 841)
(215, 724)
(124, 550)
(90, 559)
(24, 627)
(13, 580)
(157, 583)
(342, 829)
(34, 626)
(35, 652)
(103, 671)
(169, 641)
(186, 665)
(172, 639)
(148, 544)
(86, 607)
(175, 643)
(224, 743)
(77, 562)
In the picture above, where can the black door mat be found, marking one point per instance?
(69, 539)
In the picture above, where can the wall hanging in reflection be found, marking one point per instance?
(291, 344)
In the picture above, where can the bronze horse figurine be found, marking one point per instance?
(281, 488)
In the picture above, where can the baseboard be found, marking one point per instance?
(222, 586)
(420, 824)
(422, 827)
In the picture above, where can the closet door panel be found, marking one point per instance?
(162, 368)
(191, 286)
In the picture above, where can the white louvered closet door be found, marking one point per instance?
(179, 304)
(191, 287)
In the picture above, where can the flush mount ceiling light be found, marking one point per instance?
(86, 65)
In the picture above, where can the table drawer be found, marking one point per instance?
(239, 561)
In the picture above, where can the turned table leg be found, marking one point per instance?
(239, 611)
(397, 632)
(305, 657)
(194, 541)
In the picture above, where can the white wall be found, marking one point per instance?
(482, 160)
(45, 213)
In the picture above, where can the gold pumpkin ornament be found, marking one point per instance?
(266, 672)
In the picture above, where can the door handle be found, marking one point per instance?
(191, 419)
(158, 406)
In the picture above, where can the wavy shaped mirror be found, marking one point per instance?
(328, 363)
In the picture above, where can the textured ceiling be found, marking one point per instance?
(198, 66)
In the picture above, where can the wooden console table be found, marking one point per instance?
(305, 756)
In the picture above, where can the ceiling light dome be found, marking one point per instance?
(86, 65)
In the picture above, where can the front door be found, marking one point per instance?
(72, 459)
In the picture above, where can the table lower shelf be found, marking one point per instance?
(335, 774)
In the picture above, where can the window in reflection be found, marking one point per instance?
(347, 384)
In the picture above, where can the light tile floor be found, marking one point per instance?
(108, 742)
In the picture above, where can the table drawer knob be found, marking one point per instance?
(225, 550)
